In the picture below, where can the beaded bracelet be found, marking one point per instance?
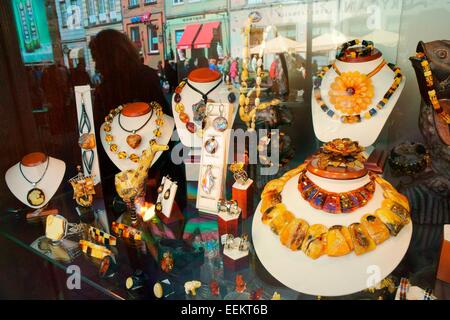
(408, 159)
(365, 50)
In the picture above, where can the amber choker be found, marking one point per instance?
(333, 202)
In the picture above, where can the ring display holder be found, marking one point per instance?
(243, 194)
(327, 276)
(211, 182)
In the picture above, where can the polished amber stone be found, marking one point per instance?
(134, 157)
(184, 117)
(122, 155)
(157, 132)
(159, 122)
(113, 147)
(177, 97)
(107, 127)
(109, 138)
(179, 107)
(191, 127)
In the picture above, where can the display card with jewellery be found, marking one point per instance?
(214, 155)
(86, 141)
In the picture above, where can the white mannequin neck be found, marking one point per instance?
(363, 67)
(49, 184)
(367, 131)
(130, 123)
(204, 86)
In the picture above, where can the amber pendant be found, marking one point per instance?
(134, 140)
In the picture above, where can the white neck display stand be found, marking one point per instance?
(328, 276)
(130, 123)
(192, 140)
(49, 184)
(83, 95)
(367, 131)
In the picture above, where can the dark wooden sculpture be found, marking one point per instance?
(429, 193)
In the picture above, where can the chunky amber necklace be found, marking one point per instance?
(430, 86)
(316, 240)
(352, 93)
(109, 138)
(333, 202)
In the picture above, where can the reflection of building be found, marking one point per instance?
(143, 22)
(197, 28)
(97, 16)
(71, 29)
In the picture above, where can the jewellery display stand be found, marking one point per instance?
(228, 223)
(216, 161)
(365, 132)
(243, 194)
(85, 122)
(49, 184)
(120, 137)
(204, 80)
(327, 276)
(167, 204)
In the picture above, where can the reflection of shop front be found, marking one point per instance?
(145, 31)
(74, 52)
(198, 36)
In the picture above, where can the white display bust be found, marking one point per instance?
(327, 276)
(33, 167)
(204, 80)
(130, 121)
(367, 131)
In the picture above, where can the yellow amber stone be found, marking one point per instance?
(179, 107)
(113, 147)
(109, 138)
(107, 127)
(157, 132)
(134, 157)
(159, 122)
(122, 155)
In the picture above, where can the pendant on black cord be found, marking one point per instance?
(199, 110)
(36, 197)
(134, 140)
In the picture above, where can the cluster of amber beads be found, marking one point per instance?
(109, 138)
(332, 202)
(182, 115)
(428, 74)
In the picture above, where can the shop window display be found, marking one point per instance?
(301, 153)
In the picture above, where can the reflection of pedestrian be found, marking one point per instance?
(234, 70)
(171, 75)
(124, 77)
(78, 75)
(125, 80)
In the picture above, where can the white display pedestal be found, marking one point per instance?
(327, 276)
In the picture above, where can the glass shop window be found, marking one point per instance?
(134, 36)
(63, 10)
(153, 38)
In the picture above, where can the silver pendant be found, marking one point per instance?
(220, 123)
(211, 145)
(208, 180)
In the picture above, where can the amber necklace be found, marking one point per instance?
(134, 140)
(349, 91)
(109, 138)
(35, 196)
